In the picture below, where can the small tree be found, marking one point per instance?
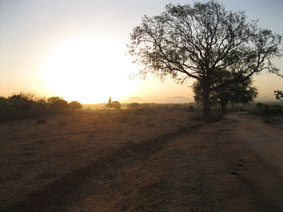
(198, 41)
(57, 104)
(19, 105)
(75, 105)
(234, 93)
(40, 106)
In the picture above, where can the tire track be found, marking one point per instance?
(53, 196)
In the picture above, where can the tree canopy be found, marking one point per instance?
(75, 105)
(197, 41)
(278, 94)
(233, 93)
(57, 104)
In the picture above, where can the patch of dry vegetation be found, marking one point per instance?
(34, 155)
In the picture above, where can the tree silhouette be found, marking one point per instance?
(75, 105)
(200, 40)
(57, 104)
(233, 93)
(278, 94)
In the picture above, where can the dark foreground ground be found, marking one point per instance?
(231, 165)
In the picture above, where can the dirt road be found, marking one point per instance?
(232, 165)
(263, 172)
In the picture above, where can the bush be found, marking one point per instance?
(21, 106)
(19, 103)
(273, 109)
(39, 107)
(74, 105)
(191, 108)
(269, 109)
(259, 106)
(57, 104)
(134, 106)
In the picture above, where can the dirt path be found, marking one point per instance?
(231, 165)
(264, 160)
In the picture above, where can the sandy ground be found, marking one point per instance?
(231, 165)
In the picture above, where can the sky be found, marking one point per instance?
(77, 48)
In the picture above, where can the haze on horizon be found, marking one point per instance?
(76, 49)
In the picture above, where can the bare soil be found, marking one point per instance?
(155, 160)
(33, 156)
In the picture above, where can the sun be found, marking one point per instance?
(89, 70)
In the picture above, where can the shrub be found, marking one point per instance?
(57, 104)
(269, 109)
(21, 105)
(74, 105)
(191, 108)
(39, 107)
(273, 109)
(259, 105)
(134, 106)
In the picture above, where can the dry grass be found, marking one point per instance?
(34, 155)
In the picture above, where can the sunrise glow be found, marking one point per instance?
(76, 49)
(89, 70)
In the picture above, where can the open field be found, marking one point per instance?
(159, 159)
(33, 156)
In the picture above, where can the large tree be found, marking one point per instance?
(232, 93)
(197, 41)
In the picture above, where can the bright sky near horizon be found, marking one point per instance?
(76, 49)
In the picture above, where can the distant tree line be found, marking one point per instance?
(21, 106)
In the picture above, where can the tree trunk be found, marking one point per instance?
(205, 97)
